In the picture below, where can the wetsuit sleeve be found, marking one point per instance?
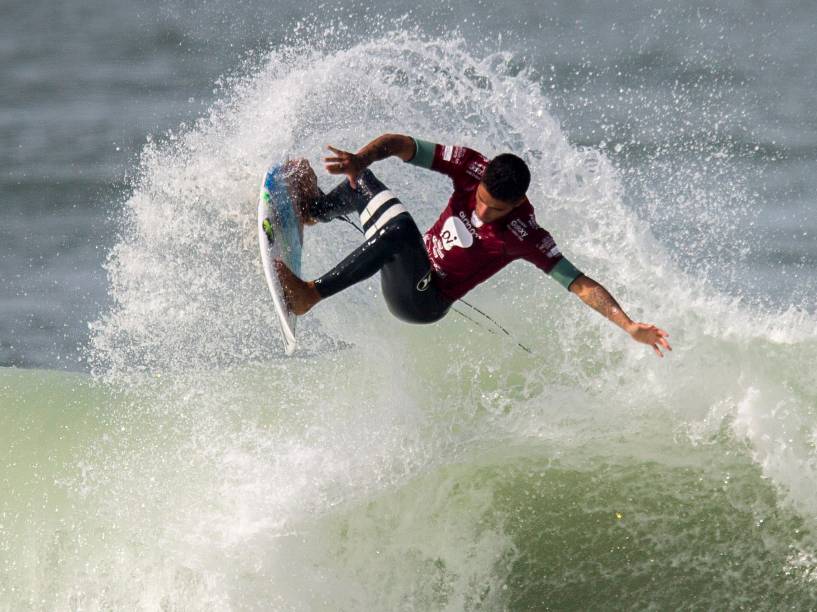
(565, 272)
(461, 164)
(541, 251)
(424, 153)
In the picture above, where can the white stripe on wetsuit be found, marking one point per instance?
(387, 216)
(375, 203)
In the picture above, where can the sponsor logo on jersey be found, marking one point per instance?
(476, 169)
(517, 227)
(434, 247)
(454, 233)
(434, 253)
(447, 152)
(470, 225)
(548, 246)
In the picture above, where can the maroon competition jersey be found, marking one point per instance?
(463, 250)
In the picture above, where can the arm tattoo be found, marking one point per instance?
(380, 148)
(600, 300)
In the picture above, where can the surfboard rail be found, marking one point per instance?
(280, 236)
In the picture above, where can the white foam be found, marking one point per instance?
(259, 462)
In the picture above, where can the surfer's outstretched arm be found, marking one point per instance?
(599, 299)
(382, 147)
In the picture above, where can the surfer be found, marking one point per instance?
(488, 223)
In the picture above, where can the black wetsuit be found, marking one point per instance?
(393, 246)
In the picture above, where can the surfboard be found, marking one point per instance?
(280, 236)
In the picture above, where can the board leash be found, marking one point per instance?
(492, 320)
(457, 310)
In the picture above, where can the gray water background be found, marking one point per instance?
(666, 91)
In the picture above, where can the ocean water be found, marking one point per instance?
(159, 452)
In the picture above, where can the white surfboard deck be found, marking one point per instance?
(280, 236)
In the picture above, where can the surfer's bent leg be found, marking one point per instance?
(393, 246)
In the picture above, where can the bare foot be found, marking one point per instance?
(300, 295)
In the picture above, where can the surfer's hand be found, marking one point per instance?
(343, 162)
(650, 334)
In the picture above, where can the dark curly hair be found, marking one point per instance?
(507, 177)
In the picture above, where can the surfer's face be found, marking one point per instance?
(490, 209)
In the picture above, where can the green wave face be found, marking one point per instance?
(196, 491)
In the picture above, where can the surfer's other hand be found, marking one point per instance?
(344, 162)
(651, 335)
